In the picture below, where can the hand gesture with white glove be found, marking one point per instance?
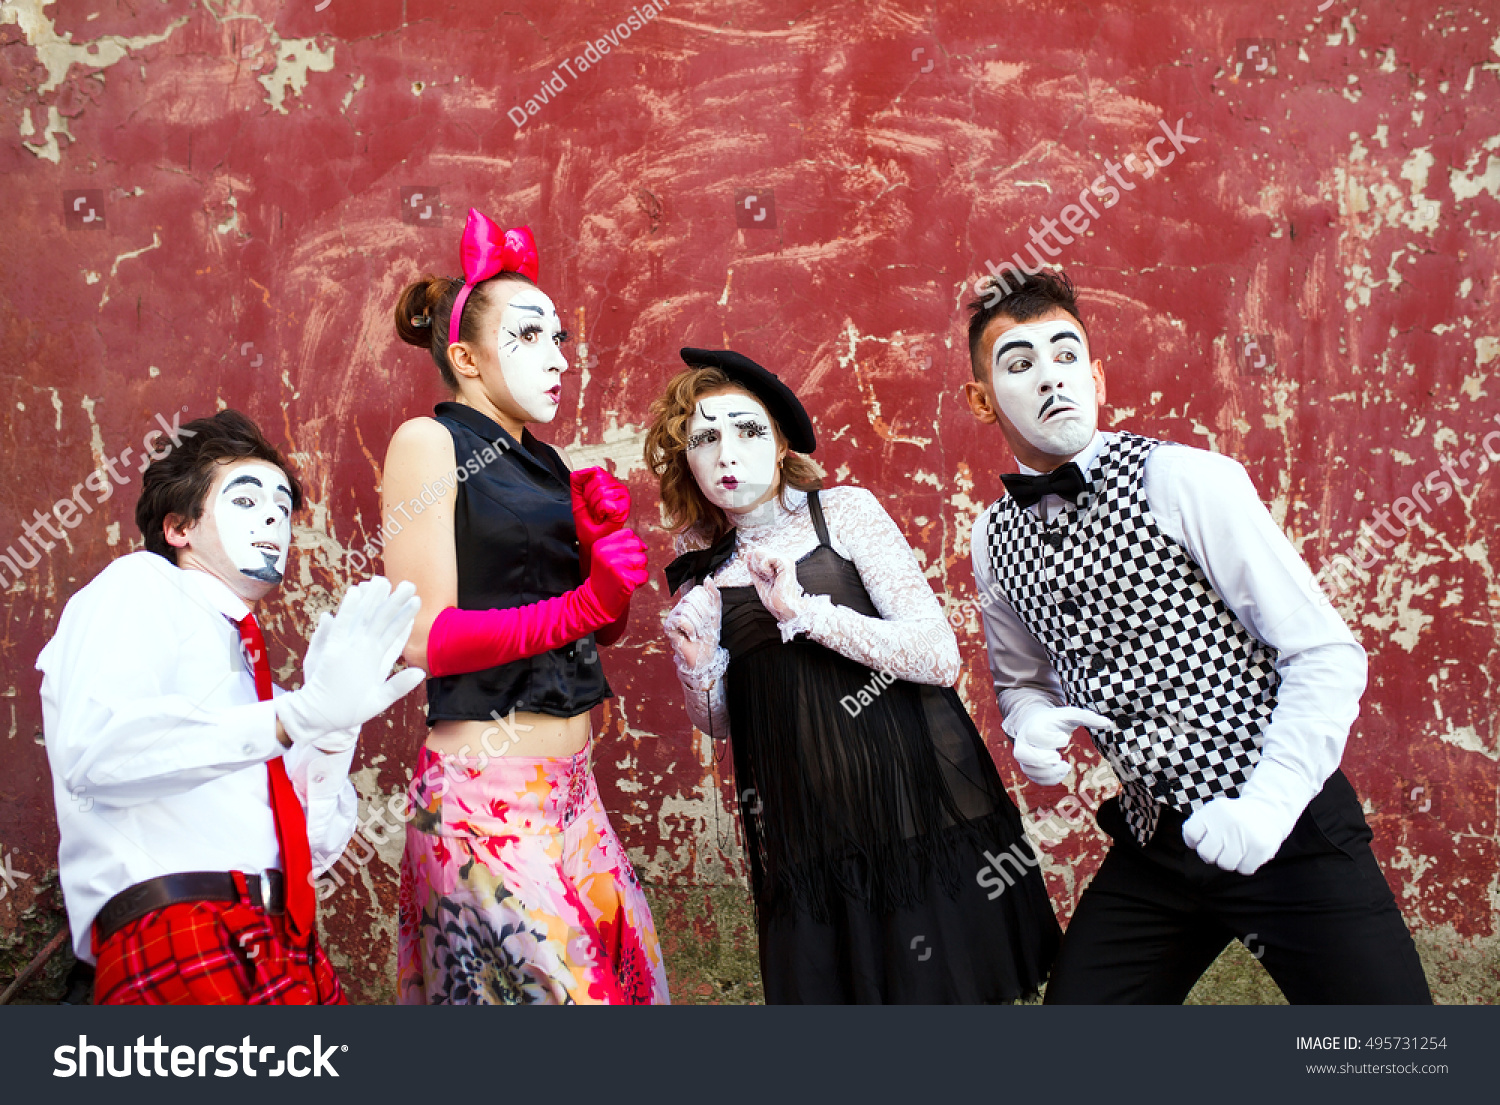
(776, 583)
(1041, 731)
(693, 626)
(344, 739)
(1241, 834)
(347, 662)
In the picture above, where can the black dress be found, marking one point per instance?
(867, 826)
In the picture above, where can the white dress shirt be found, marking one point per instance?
(158, 744)
(1207, 504)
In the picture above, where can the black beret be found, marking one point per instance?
(766, 386)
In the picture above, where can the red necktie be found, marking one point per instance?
(291, 822)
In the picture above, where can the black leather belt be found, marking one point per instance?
(189, 886)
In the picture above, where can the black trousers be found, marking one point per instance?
(1319, 916)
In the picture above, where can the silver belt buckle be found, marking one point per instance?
(265, 891)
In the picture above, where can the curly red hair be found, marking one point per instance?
(686, 506)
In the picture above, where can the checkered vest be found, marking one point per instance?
(1137, 633)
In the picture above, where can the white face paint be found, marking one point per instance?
(731, 450)
(529, 336)
(1044, 383)
(252, 511)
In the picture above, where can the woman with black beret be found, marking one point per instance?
(871, 808)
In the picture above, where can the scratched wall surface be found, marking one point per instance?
(211, 204)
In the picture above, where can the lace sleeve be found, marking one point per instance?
(703, 688)
(911, 639)
(703, 695)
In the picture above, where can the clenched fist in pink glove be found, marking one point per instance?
(619, 568)
(601, 505)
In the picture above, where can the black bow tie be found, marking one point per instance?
(1067, 481)
(699, 564)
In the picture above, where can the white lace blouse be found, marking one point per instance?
(910, 640)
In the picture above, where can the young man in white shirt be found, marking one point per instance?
(1140, 589)
(194, 810)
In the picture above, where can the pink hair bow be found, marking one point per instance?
(487, 250)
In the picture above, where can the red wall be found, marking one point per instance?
(246, 164)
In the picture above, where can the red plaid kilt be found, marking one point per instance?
(212, 953)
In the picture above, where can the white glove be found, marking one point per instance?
(775, 579)
(347, 662)
(1241, 834)
(692, 627)
(1041, 731)
(344, 739)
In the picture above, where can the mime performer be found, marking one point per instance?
(193, 809)
(1142, 590)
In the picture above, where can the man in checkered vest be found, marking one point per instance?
(1141, 590)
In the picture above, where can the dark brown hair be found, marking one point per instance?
(425, 306)
(1034, 294)
(175, 486)
(666, 454)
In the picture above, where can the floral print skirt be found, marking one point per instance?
(515, 890)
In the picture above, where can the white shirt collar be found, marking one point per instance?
(213, 592)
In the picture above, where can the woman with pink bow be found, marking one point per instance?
(514, 887)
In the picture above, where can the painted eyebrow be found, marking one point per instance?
(528, 307)
(1019, 344)
(741, 414)
(238, 480)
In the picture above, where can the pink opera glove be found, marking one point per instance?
(601, 505)
(472, 640)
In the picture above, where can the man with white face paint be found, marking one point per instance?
(195, 802)
(1140, 589)
(253, 518)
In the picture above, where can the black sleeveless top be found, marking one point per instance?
(516, 544)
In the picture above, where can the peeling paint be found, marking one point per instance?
(251, 160)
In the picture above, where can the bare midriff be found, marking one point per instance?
(520, 734)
